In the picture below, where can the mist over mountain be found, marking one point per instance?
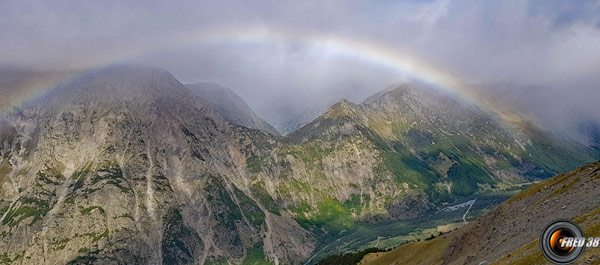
(288, 122)
(559, 110)
(20, 84)
(278, 61)
(126, 164)
(231, 106)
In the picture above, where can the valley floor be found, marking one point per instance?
(387, 235)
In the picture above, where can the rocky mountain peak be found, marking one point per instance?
(396, 91)
(342, 108)
(345, 101)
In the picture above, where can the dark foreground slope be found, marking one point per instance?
(510, 233)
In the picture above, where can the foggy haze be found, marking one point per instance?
(545, 54)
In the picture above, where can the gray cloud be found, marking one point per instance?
(551, 45)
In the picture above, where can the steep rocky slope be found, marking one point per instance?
(510, 233)
(231, 106)
(125, 166)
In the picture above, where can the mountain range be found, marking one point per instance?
(126, 165)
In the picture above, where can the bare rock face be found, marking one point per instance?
(123, 165)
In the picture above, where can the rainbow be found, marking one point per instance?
(358, 48)
(353, 47)
(29, 89)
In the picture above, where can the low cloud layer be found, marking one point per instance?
(551, 46)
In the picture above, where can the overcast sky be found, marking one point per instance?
(550, 45)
